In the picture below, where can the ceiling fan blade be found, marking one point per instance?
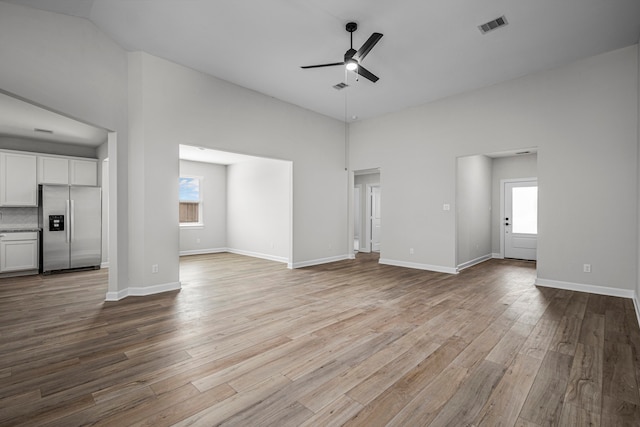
(322, 65)
(366, 74)
(367, 46)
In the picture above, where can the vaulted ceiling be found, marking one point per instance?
(430, 49)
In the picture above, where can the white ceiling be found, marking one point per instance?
(430, 49)
(20, 118)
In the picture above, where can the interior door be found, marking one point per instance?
(375, 219)
(357, 218)
(521, 219)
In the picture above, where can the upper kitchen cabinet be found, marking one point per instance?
(64, 170)
(83, 172)
(53, 170)
(18, 183)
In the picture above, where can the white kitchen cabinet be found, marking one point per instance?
(18, 182)
(53, 170)
(18, 251)
(83, 172)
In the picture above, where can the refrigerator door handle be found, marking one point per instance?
(73, 221)
(68, 227)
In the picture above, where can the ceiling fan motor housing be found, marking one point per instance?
(349, 54)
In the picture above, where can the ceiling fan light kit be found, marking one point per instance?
(352, 58)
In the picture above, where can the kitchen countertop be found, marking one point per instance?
(18, 228)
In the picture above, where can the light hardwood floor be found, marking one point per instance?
(247, 342)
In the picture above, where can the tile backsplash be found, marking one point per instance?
(18, 217)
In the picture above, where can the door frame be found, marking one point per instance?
(503, 183)
(369, 215)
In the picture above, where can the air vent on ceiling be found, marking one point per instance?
(340, 86)
(42, 130)
(492, 25)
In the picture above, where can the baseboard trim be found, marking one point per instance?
(419, 266)
(143, 291)
(258, 255)
(117, 296)
(473, 262)
(636, 305)
(496, 255)
(580, 287)
(203, 251)
(104, 264)
(319, 261)
(234, 251)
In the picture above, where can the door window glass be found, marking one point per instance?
(525, 210)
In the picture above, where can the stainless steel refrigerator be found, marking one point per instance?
(71, 222)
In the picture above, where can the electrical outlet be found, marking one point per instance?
(446, 207)
(586, 268)
(410, 251)
(198, 240)
(154, 268)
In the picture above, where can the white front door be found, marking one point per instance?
(375, 219)
(520, 221)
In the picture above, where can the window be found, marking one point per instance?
(190, 200)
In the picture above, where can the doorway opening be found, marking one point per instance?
(235, 203)
(480, 216)
(367, 217)
(66, 137)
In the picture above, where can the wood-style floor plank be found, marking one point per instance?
(249, 342)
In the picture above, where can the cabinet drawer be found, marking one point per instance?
(13, 236)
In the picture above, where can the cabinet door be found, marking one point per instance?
(53, 170)
(83, 172)
(18, 184)
(17, 255)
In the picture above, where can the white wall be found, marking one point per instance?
(67, 65)
(523, 166)
(212, 235)
(47, 147)
(172, 105)
(259, 209)
(583, 117)
(473, 201)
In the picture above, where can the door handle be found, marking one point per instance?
(72, 231)
(68, 226)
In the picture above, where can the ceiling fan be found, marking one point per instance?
(352, 57)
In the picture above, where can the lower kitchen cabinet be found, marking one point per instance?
(18, 251)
